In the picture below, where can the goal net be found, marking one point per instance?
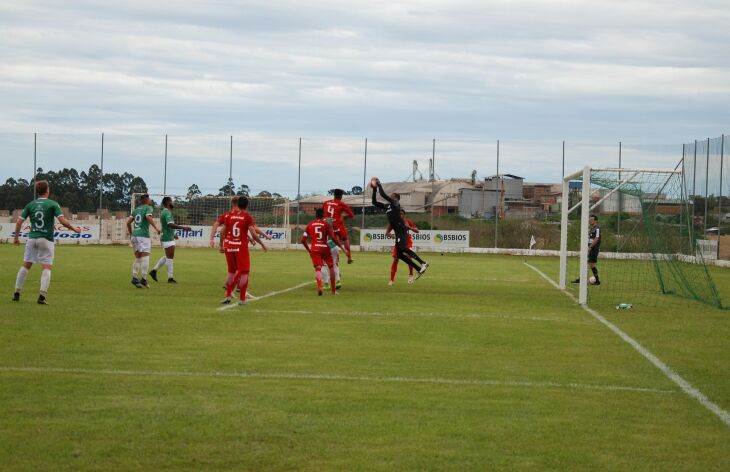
(201, 212)
(650, 248)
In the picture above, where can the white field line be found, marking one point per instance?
(329, 377)
(425, 315)
(686, 387)
(234, 303)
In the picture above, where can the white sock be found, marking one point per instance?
(160, 263)
(45, 281)
(168, 263)
(337, 273)
(326, 276)
(20, 280)
(145, 262)
(135, 268)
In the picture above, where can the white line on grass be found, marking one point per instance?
(414, 314)
(270, 294)
(686, 387)
(331, 377)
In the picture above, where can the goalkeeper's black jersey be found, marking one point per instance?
(593, 235)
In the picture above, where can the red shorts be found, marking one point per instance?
(238, 260)
(340, 230)
(321, 256)
(395, 248)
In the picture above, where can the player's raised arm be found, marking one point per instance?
(382, 193)
(261, 233)
(304, 240)
(375, 201)
(18, 225)
(255, 237)
(347, 211)
(62, 219)
(412, 226)
(152, 223)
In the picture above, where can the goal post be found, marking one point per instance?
(200, 212)
(655, 251)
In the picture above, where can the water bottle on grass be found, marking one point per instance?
(624, 306)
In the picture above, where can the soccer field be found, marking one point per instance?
(481, 364)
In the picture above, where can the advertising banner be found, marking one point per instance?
(426, 239)
(200, 235)
(62, 235)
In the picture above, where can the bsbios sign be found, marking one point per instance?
(426, 239)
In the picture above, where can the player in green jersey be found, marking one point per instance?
(142, 220)
(42, 213)
(167, 240)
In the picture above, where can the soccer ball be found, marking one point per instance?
(591, 280)
(374, 182)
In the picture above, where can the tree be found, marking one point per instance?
(264, 193)
(194, 191)
(243, 190)
(228, 189)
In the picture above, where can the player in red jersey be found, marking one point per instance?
(411, 227)
(339, 211)
(237, 227)
(318, 231)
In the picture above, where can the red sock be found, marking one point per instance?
(230, 284)
(393, 269)
(333, 285)
(318, 277)
(242, 286)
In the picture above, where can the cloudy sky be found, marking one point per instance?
(653, 74)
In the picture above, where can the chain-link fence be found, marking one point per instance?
(505, 193)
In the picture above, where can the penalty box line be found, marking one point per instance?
(334, 377)
(686, 387)
(270, 294)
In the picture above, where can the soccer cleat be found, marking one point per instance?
(136, 283)
(171, 281)
(390, 283)
(319, 292)
(326, 285)
(16, 297)
(338, 285)
(42, 300)
(144, 283)
(350, 261)
(153, 274)
(226, 301)
(422, 270)
(241, 302)
(576, 281)
(410, 279)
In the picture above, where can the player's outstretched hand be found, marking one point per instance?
(263, 246)
(211, 243)
(187, 228)
(176, 237)
(77, 230)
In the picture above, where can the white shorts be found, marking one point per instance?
(40, 251)
(141, 244)
(166, 244)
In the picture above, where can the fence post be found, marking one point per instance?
(230, 164)
(497, 207)
(164, 175)
(433, 179)
(707, 184)
(299, 185)
(719, 201)
(694, 188)
(35, 159)
(619, 195)
(364, 184)
(101, 191)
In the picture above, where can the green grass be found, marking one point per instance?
(479, 365)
